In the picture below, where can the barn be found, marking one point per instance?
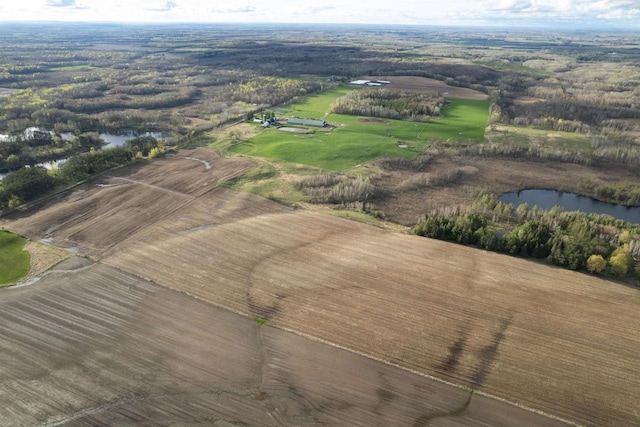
(306, 122)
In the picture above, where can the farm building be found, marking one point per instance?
(369, 82)
(306, 122)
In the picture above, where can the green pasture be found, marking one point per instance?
(355, 140)
(14, 262)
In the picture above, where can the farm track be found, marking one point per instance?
(558, 341)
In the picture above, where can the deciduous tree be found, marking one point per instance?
(596, 264)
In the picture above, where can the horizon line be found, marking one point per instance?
(505, 25)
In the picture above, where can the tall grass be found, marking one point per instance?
(336, 189)
(427, 180)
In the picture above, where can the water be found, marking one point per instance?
(111, 139)
(53, 164)
(546, 199)
(114, 140)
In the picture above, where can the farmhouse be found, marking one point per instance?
(306, 122)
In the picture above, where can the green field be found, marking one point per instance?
(356, 140)
(14, 262)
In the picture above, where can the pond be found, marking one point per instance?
(114, 140)
(111, 139)
(546, 199)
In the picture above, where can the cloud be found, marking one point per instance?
(559, 9)
(68, 4)
(520, 13)
(166, 7)
(243, 9)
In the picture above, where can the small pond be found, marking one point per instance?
(111, 139)
(546, 199)
(114, 140)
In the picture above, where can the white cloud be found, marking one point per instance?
(558, 9)
(243, 9)
(467, 12)
(164, 6)
(62, 3)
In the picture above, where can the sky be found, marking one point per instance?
(623, 14)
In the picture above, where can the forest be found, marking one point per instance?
(571, 99)
(575, 240)
(417, 107)
(28, 183)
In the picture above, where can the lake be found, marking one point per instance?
(546, 199)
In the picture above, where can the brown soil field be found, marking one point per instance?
(494, 175)
(91, 345)
(424, 84)
(114, 208)
(558, 341)
(43, 257)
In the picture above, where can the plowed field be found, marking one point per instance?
(112, 210)
(561, 342)
(91, 345)
(424, 84)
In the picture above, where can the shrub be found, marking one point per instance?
(620, 261)
(596, 264)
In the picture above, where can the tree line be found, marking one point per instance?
(390, 104)
(29, 183)
(592, 242)
(42, 147)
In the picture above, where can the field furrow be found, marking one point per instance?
(167, 358)
(555, 340)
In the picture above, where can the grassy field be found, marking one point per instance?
(356, 140)
(14, 262)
